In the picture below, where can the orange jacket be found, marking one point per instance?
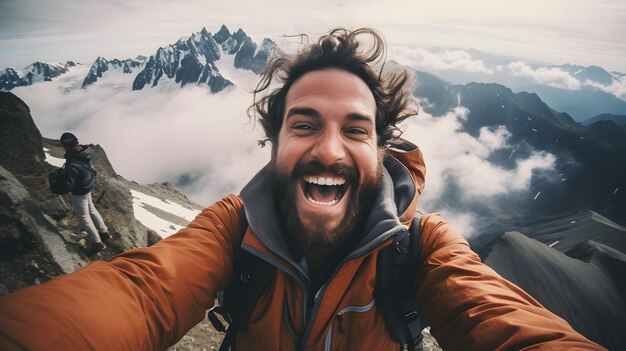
(148, 298)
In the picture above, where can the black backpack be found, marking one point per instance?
(58, 184)
(57, 179)
(394, 293)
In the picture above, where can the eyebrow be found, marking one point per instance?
(310, 112)
(359, 117)
(306, 111)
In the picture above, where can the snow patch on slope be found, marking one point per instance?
(55, 161)
(161, 226)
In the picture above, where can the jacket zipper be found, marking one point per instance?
(294, 276)
(316, 302)
(288, 321)
(339, 318)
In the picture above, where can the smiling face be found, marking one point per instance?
(327, 162)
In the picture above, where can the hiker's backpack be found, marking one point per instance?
(396, 268)
(57, 179)
(58, 184)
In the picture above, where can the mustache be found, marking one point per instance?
(314, 167)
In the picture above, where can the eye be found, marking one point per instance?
(303, 127)
(356, 131)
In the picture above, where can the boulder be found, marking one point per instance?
(20, 140)
(56, 208)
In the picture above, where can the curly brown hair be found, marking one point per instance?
(337, 49)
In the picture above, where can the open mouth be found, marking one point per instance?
(324, 191)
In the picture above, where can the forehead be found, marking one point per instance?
(332, 85)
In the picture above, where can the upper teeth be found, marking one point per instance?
(324, 180)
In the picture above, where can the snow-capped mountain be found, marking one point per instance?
(102, 65)
(36, 72)
(191, 60)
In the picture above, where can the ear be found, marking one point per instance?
(274, 149)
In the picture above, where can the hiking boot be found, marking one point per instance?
(94, 248)
(105, 236)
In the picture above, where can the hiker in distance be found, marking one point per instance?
(322, 250)
(79, 177)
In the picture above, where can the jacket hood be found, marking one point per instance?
(394, 208)
(83, 156)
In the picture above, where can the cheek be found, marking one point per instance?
(287, 155)
(368, 163)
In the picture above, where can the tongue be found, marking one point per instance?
(323, 193)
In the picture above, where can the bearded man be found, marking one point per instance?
(340, 186)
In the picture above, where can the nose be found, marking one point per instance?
(329, 148)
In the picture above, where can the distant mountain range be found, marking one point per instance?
(191, 60)
(620, 120)
(580, 104)
(194, 60)
(36, 72)
(581, 91)
(590, 168)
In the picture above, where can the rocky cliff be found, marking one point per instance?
(39, 235)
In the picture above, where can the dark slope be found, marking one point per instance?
(589, 295)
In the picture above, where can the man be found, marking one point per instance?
(339, 187)
(80, 176)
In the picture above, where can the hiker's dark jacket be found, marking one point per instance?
(148, 298)
(79, 174)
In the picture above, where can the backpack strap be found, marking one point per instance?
(396, 268)
(251, 276)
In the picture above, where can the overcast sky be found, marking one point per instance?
(576, 31)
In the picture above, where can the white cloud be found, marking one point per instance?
(453, 156)
(617, 88)
(156, 135)
(554, 77)
(441, 60)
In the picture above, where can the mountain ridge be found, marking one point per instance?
(190, 60)
(590, 162)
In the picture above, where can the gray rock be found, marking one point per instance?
(23, 227)
(153, 237)
(56, 208)
(20, 140)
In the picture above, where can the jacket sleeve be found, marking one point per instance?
(470, 307)
(70, 176)
(143, 299)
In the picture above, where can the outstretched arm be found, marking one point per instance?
(143, 299)
(470, 307)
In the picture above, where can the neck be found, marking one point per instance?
(322, 261)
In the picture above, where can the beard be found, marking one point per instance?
(316, 235)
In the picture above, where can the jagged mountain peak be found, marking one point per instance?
(240, 33)
(35, 72)
(192, 60)
(102, 65)
(222, 35)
